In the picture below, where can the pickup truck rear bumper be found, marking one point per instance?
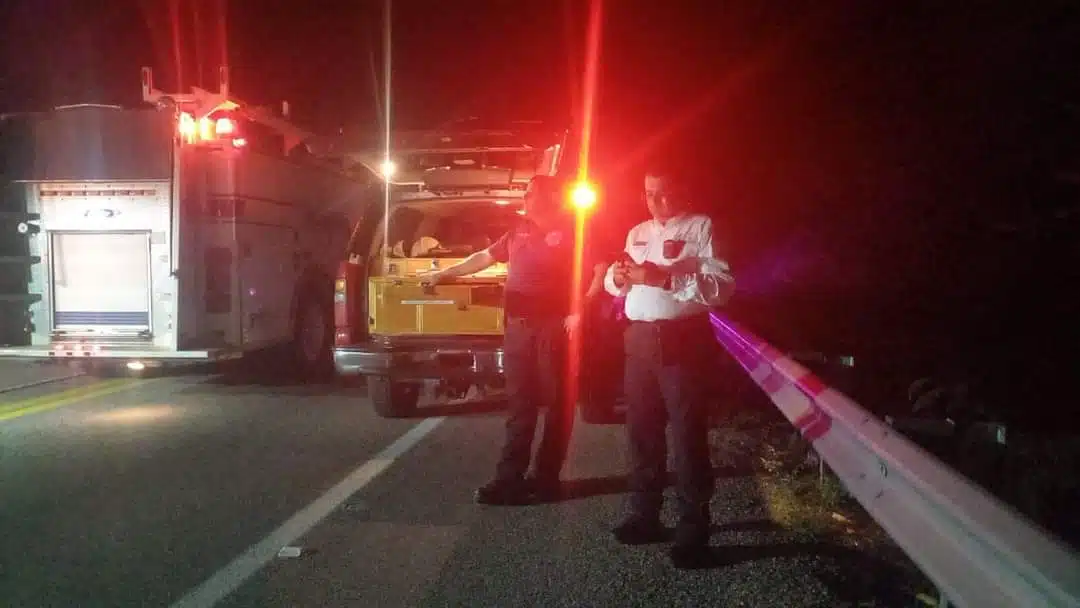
(409, 358)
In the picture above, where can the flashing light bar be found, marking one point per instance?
(206, 129)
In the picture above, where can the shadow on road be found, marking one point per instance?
(579, 489)
(725, 556)
(470, 408)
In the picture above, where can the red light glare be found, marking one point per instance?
(206, 129)
(583, 196)
(224, 126)
(186, 126)
(239, 142)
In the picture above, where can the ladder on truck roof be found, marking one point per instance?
(203, 102)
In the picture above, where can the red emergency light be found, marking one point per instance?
(209, 130)
(583, 196)
(224, 126)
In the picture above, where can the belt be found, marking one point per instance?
(676, 322)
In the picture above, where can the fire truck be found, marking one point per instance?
(196, 228)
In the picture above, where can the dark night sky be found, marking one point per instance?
(885, 138)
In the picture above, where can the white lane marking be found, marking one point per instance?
(228, 579)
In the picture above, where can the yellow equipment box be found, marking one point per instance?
(398, 304)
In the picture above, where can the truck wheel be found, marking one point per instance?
(312, 340)
(392, 399)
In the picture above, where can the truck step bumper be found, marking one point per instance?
(420, 362)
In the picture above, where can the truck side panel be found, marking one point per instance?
(314, 196)
(251, 224)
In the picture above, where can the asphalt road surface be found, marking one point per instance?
(203, 490)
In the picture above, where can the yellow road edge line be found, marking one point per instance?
(30, 401)
(68, 400)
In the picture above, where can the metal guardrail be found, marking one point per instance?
(980, 552)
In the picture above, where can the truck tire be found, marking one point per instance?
(392, 399)
(313, 337)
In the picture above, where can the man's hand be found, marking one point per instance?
(647, 274)
(431, 279)
(620, 275)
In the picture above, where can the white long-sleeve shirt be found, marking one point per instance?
(700, 279)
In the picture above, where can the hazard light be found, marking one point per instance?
(387, 168)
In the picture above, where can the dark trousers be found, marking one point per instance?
(534, 358)
(664, 382)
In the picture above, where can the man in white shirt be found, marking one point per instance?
(670, 277)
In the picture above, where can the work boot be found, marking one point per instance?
(544, 488)
(640, 530)
(691, 534)
(505, 492)
(691, 547)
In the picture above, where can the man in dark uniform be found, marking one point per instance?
(671, 275)
(540, 256)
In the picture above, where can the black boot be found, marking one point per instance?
(691, 547)
(505, 492)
(545, 488)
(640, 530)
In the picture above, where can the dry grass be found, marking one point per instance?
(796, 494)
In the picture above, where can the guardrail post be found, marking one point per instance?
(821, 473)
